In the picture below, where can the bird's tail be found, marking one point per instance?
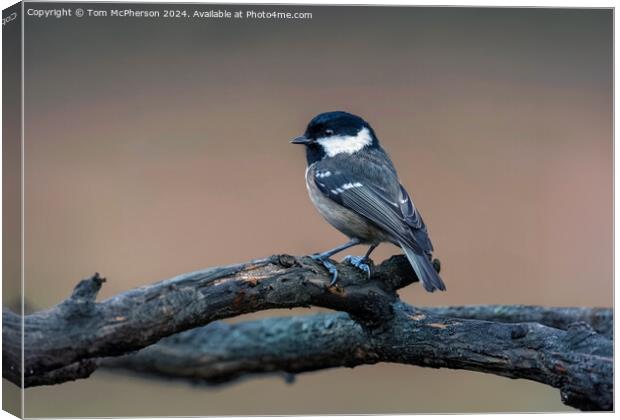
(424, 269)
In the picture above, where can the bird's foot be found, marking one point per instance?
(330, 266)
(359, 262)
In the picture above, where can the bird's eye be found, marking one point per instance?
(329, 132)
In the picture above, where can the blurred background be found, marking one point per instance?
(155, 147)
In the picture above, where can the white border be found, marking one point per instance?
(475, 3)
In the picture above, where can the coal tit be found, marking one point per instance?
(354, 186)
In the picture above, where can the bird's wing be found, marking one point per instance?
(375, 193)
(414, 219)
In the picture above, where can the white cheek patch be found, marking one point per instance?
(335, 145)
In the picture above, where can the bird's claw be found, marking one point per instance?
(359, 262)
(331, 267)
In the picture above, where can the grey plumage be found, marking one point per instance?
(376, 208)
(354, 186)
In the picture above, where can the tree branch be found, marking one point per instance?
(600, 319)
(577, 361)
(66, 341)
(80, 328)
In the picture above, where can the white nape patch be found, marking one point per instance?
(335, 145)
(345, 187)
(324, 174)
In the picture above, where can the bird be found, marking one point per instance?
(353, 184)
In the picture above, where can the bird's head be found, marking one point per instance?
(333, 133)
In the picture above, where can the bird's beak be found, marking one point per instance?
(301, 140)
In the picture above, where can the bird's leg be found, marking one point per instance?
(361, 262)
(323, 258)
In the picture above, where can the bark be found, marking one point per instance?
(578, 361)
(568, 348)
